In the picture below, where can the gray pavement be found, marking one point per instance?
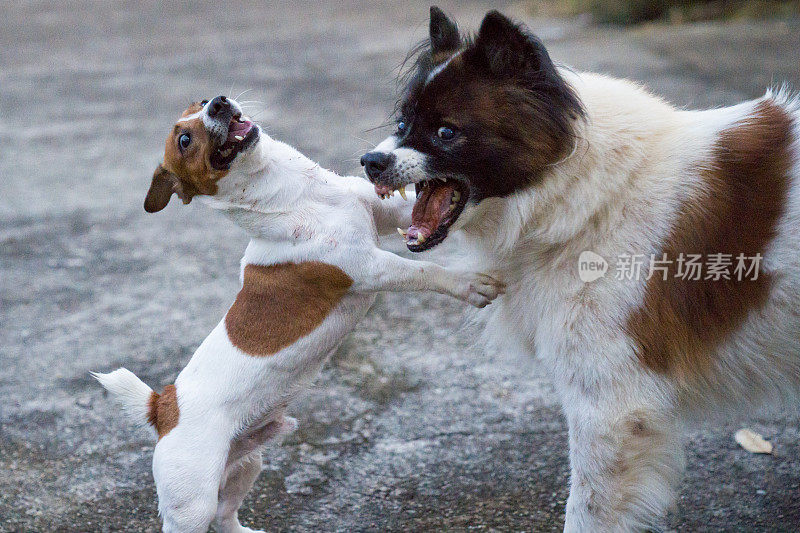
(409, 428)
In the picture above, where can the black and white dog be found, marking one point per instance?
(561, 181)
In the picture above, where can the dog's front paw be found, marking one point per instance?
(480, 289)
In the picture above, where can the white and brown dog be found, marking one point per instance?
(309, 274)
(566, 183)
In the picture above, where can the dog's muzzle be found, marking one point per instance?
(376, 163)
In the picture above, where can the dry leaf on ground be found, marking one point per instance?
(752, 441)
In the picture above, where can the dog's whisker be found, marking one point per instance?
(372, 144)
(379, 126)
(241, 93)
(251, 107)
(358, 153)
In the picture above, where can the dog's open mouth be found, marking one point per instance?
(440, 202)
(241, 134)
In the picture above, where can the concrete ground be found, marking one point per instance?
(408, 428)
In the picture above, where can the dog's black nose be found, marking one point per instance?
(375, 163)
(217, 106)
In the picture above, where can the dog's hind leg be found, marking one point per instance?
(244, 465)
(188, 464)
(237, 484)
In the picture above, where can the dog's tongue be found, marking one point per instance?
(429, 211)
(238, 129)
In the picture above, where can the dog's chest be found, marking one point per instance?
(551, 313)
(279, 304)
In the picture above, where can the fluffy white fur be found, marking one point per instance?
(230, 402)
(618, 192)
(129, 391)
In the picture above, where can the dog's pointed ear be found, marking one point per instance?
(163, 186)
(443, 32)
(508, 50)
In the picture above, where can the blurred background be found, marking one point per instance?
(409, 427)
(628, 12)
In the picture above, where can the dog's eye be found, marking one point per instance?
(204, 102)
(184, 141)
(445, 133)
(401, 127)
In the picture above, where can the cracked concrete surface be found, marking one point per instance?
(408, 428)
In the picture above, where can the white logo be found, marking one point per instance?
(591, 266)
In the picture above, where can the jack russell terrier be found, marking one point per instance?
(309, 274)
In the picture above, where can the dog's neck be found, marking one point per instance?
(285, 202)
(617, 150)
(267, 189)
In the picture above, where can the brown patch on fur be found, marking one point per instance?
(162, 410)
(193, 166)
(186, 173)
(681, 322)
(278, 304)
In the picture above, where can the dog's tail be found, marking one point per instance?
(141, 403)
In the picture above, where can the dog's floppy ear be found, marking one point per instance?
(508, 50)
(164, 184)
(444, 32)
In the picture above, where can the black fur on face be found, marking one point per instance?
(510, 111)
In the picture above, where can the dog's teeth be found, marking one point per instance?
(238, 137)
(402, 191)
(420, 239)
(456, 196)
(443, 180)
(402, 232)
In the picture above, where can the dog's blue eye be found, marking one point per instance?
(445, 133)
(401, 127)
(184, 141)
